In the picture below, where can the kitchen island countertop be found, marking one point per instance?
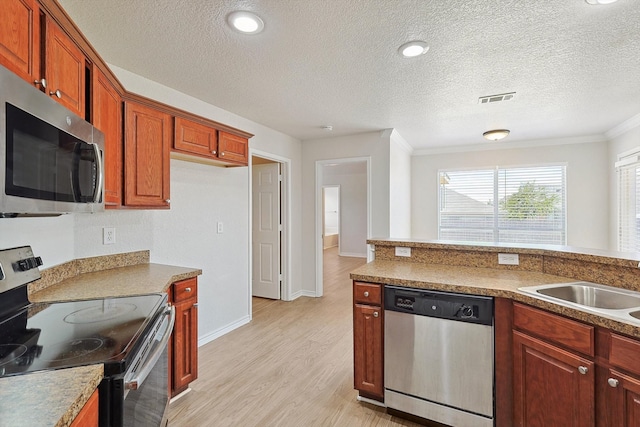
(47, 398)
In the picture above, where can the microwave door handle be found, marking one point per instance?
(144, 371)
(98, 191)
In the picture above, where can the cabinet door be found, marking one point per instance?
(185, 336)
(107, 116)
(147, 144)
(233, 148)
(20, 38)
(195, 138)
(623, 399)
(88, 415)
(552, 387)
(65, 69)
(368, 350)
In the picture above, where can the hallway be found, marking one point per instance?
(291, 366)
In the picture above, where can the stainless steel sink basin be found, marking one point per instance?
(593, 296)
(615, 303)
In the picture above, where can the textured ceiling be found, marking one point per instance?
(575, 68)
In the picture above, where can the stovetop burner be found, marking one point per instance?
(103, 310)
(73, 349)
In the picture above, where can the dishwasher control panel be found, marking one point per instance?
(444, 305)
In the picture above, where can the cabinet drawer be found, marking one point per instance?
(367, 293)
(550, 327)
(185, 290)
(625, 353)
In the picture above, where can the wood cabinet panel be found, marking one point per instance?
(107, 116)
(65, 69)
(20, 38)
(88, 415)
(195, 138)
(233, 148)
(623, 400)
(147, 143)
(368, 351)
(184, 358)
(565, 332)
(549, 389)
(625, 353)
(367, 293)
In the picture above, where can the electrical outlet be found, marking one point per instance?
(108, 235)
(220, 228)
(509, 259)
(400, 251)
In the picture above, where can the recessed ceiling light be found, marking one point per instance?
(414, 48)
(496, 134)
(245, 22)
(601, 1)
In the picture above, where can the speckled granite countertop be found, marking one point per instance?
(480, 281)
(54, 398)
(137, 279)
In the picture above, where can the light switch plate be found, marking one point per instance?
(401, 251)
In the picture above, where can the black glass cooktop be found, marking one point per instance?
(64, 334)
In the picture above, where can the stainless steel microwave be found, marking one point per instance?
(50, 159)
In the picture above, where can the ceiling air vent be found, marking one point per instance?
(496, 98)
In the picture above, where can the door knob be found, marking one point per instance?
(187, 289)
(42, 82)
(613, 382)
(375, 314)
(583, 370)
(366, 294)
(56, 93)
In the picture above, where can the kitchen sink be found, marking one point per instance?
(593, 296)
(616, 303)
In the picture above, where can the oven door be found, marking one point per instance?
(140, 397)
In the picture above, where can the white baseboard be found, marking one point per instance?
(353, 255)
(222, 331)
(303, 293)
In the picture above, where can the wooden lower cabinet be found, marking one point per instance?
(88, 415)
(623, 400)
(184, 344)
(368, 340)
(552, 386)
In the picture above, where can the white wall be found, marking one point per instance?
(374, 145)
(186, 234)
(399, 187)
(353, 212)
(622, 138)
(587, 185)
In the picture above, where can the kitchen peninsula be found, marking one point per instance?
(595, 355)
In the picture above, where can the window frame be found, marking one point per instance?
(626, 160)
(496, 169)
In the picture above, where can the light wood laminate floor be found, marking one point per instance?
(291, 366)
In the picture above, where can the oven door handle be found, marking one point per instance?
(149, 364)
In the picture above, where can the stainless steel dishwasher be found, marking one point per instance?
(438, 356)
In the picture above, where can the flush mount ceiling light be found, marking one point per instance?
(496, 134)
(245, 22)
(414, 48)
(601, 1)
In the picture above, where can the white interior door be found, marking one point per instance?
(266, 230)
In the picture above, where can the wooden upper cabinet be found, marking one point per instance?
(233, 148)
(107, 116)
(195, 138)
(147, 143)
(65, 69)
(20, 38)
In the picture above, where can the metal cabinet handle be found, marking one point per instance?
(222, 154)
(583, 370)
(56, 93)
(613, 382)
(187, 289)
(213, 152)
(366, 294)
(42, 82)
(375, 314)
(167, 200)
(195, 305)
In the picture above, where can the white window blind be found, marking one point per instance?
(628, 171)
(510, 205)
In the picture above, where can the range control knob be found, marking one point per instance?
(29, 263)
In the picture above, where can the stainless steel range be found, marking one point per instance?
(129, 335)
